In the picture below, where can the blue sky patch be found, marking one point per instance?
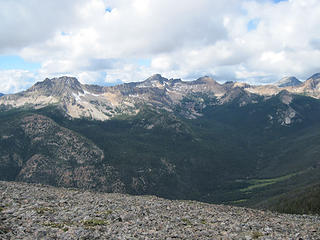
(253, 24)
(65, 34)
(9, 62)
(108, 9)
(277, 1)
(143, 62)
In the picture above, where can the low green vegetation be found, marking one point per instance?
(63, 226)
(186, 221)
(257, 235)
(94, 222)
(43, 210)
(4, 230)
(203, 221)
(54, 225)
(107, 212)
(260, 183)
(238, 201)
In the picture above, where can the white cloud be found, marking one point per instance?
(12, 81)
(182, 38)
(163, 63)
(28, 22)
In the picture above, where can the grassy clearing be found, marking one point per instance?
(260, 183)
(239, 201)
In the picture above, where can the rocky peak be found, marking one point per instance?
(315, 76)
(156, 77)
(176, 80)
(155, 81)
(237, 94)
(69, 82)
(58, 86)
(229, 84)
(206, 80)
(288, 82)
(1, 94)
(312, 82)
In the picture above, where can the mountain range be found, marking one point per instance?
(229, 143)
(103, 103)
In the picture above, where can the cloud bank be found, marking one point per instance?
(107, 41)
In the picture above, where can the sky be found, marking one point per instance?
(107, 42)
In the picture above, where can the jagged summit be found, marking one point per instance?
(162, 80)
(156, 77)
(154, 81)
(1, 94)
(288, 82)
(158, 81)
(205, 80)
(64, 80)
(58, 86)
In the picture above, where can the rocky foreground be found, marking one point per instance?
(30, 211)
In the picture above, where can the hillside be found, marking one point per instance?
(42, 212)
(197, 140)
(298, 201)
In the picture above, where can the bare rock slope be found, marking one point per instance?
(42, 212)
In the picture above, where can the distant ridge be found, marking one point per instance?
(103, 103)
(314, 76)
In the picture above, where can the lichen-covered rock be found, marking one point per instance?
(40, 212)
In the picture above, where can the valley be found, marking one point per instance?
(218, 143)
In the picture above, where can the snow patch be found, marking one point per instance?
(78, 96)
(90, 93)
